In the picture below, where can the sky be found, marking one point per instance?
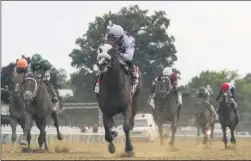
(209, 35)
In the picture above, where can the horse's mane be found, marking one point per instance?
(32, 75)
(17, 78)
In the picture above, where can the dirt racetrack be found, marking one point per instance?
(143, 151)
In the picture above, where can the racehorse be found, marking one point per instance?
(16, 109)
(165, 108)
(228, 118)
(204, 121)
(116, 94)
(38, 106)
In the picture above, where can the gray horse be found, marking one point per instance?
(38, 106)
(204, 121)
(165, 108)
(116, 94)
(228, 118)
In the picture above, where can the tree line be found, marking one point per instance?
(155, 49)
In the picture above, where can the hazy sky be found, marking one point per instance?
(209, 35)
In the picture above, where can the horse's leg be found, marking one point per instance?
(160, 128)
(134, 111)
(233, 141)
(28, 136)
(29, 139)
(27, 127)
(127, 127)
(212, 133)
(109, 135)
(40, 140)
(224, 136)
(54, 116)
(207, 135)
(45, 141)
(42, 136)
(13, 124)
(174, 129)
(198, 133)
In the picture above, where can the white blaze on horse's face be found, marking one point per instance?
(103, 58)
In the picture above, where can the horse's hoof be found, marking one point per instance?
(60, 137)
(130, 153)
(170, 143)
(23, 144)
(129, 149)
(111, 148)
(27, 150)
(38, 150)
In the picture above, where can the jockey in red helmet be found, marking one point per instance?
(229, 88)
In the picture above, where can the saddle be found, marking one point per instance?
(128, 72)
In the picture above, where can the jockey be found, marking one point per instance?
(174, 81)
(126, 44)
(43, 66)
(205, 93)
(229, 88)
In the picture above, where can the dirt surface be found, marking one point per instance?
(143, 151)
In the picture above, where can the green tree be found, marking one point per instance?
(212, 78)
(59, 78)
(247, 78)
(155, 49)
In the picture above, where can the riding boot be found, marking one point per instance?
(54, 94)
(236, 110)
(134, 75)
(176, 96)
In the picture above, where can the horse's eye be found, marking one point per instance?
(100, 50)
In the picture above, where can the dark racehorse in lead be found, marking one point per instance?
(116, 94)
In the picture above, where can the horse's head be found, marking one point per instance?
(164, 87)
(17, 81)
(107, 56)
(30, 87)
